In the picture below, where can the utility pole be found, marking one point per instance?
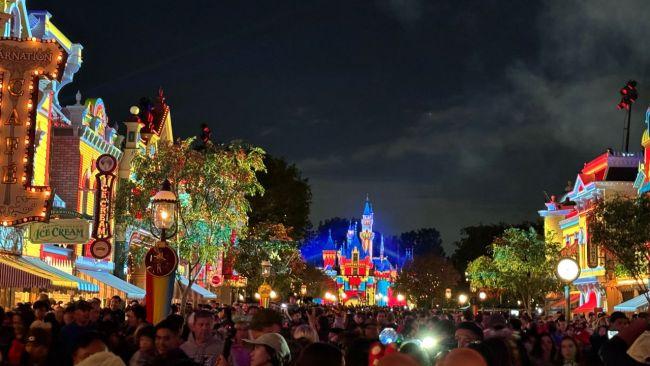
(629, 95)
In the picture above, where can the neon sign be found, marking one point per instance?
(22, 63)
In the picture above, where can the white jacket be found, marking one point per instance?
(103, 358)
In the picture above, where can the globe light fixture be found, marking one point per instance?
(343, 295)
(400, 297)
(266, 269)
(303, 290)
(257, 296)
(567, 270)
(448, 293)
(462, 299)
(482, 295)
(273, 294)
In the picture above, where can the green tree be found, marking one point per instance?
(424, 241)
(424, 280)
(286, 199)
(621, 226)
(212, 186)
(522, 264)
(477, 241)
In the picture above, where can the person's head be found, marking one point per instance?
(466, 333)
(320, 354)
(87, 345)
(136, 315)
(381, 317)
(296, 316)
(464, 357)
(38, 343)
(270, 350)
(167, 336)
(202, 326)
(305, 331)
(495, 351)
(18, 324)
(40, 309)
(359, 318)
(82, 313)
(371, 329)
(544, 345)
(569, 349)
(146, 338)
(265, 321)
(116, 303)
(618, 321)
(241, 331)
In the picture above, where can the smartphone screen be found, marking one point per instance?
(611, 333)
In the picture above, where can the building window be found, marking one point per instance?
(355, 271)
(355, 257)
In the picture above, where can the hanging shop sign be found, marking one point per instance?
(161, 260)
(65, 231)
(22, 63)
(105, 181)
(592, 254)
(100, 249)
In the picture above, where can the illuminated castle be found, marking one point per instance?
(361, 278)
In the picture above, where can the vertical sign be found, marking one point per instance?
(592, 254)
(102, 229)
(22, 63)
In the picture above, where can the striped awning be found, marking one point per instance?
(634, 304)
(131, 291)
(198, 289)
(82, 285)
(10, 264)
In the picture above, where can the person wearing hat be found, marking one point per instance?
(37, 349)
(468, 332)
(270, 350)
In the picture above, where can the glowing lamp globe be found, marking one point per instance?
(257, 296)
(388, 336)
(164, 207)
(344, 296)
(303, 290)
(273, 294)
(266, 269)
(482, 295)
(568, 270)
(400, 297)
(462, 298)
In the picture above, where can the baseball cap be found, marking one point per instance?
(275, 341)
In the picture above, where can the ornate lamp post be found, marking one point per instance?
(462, 299)
(161, 261)
(568, 270)
(265, 289)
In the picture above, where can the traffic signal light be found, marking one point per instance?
(629, 95)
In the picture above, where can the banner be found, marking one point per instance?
(66, 231)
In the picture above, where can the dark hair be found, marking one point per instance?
(169, 324)
(265, 318)
(86, 339)
(495, 351)
(578, 359)
(472, 327)
(116, 297)
(537, 347)
(139, 311)
(41, 305)
(616, 316)
(203, 314)
(320, 354)
(148, 331)
(414, 350)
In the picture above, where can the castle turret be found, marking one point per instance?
(367, 235)
(329, 253)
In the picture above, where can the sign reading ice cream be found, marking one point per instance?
(22, 63)
(65, 231)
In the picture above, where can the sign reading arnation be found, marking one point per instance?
(22, 64)
(65, 231)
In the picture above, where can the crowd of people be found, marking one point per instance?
(85, 333)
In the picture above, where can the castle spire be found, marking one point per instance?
(367, 209)
(381, 248)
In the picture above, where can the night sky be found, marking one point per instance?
(448, 113)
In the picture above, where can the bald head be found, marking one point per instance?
(463, 357)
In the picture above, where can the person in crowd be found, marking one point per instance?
(146, 353)
(270, 349)
(468, 332)
(307, 332)
(544, 351)
(117, 309)
(203, 346)
(570, 352)
(91, 350)
(265, 321)
(618, 321)
(168, 345)
(320, 354)
(71, 333)
(239, 353)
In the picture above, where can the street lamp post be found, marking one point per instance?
(568, 271)
(462, 299)
(265, 291)
(161, 261)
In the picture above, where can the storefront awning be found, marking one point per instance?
(48, 279)
(560, 304)
(198, 289)
(82, 285)
(589, 306)
(633, 304)
(131, 291)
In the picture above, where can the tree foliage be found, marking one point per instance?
(212, 186)
(522, 264)
(424, 241)
(477, 241)
(286, 199)
(425, 279)
(621, 226)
